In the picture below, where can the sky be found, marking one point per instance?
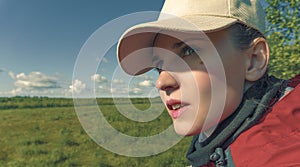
(40, 41)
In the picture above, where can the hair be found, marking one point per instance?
(243, 35)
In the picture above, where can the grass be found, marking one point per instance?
(54, 137)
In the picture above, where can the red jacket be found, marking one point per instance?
(275, 141)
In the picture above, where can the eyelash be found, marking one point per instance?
(187, 51)
(183, 53)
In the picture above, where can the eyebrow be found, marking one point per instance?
(179, 44)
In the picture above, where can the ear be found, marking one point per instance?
(257, 60)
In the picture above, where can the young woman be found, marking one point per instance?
(258, 121)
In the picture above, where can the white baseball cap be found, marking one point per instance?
(185, 16)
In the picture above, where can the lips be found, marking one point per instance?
(176, 107)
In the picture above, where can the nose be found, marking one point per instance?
(166, 82)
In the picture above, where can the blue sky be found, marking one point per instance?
(40, 41)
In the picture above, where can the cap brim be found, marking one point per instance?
(138, 40)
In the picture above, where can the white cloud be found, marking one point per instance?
(146, 77)
(77, 86)
(146, 83)
(118, 81)
(104, 60)
(136, 91)
(12, 75)
(113, 90)
(118, 91)
(33, 84)
(98, 78)
(16, 91)
(34, 81)
(103, 88)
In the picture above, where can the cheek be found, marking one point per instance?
(234, 92)
(198, 85)
(203, 85)
(200, 99)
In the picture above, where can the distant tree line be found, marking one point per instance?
(19, 102)
(33, 102)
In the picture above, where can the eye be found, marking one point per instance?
(187, 51)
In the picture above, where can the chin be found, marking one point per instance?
(185, 130)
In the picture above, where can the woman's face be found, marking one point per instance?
(184, 82)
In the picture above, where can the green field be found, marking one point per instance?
(53, 136)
